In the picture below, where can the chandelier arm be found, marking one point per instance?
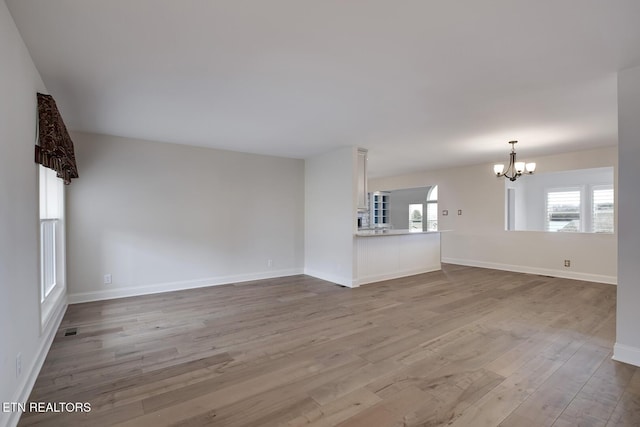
(510, 172)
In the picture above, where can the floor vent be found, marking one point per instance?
(70, 332)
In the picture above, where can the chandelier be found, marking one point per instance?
(515, 169)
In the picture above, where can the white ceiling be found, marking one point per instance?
(422, 84)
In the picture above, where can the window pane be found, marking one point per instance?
(432, 217)
(51, 193)
(415, 217)
(602, 210)
(563, 210)
(48, 257)
(433, 194)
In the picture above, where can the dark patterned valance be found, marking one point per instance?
(55, 148)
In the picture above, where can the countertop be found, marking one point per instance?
(390, 232)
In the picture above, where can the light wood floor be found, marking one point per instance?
(463, 347)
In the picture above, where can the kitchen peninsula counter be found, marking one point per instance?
(397, 253)
(389, 232)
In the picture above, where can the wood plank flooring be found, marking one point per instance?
(461, 347)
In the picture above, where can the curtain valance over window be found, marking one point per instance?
(55, 149)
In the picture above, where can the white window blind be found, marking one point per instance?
(563, 210)
(602, 212)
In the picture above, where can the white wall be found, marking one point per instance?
(20, 330)
(478, 237)
(160, 217)
(330, 215)
(627, 348)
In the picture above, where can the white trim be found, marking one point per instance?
(342, 281)
(626, 354)
(50, 306)
(395, 275)
(588, 277)
(176, 286)
(28, 381)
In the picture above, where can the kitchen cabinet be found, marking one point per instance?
(379, 206)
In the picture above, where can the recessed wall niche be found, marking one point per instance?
(574, 201)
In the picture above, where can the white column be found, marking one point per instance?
(627, 348)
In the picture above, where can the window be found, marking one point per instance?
(602, 209)
(51, 240)
(432, 209)
(589, 208)
(415, 217)
(563, 210)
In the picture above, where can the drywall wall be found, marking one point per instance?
(627, 348)
(478, 236)
(19, 254)
(161, 217)
(330, 215)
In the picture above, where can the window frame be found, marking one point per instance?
(586, 206)
(431, 202)
(50, 299)
(580, 189)
(412, 223)
(592, 189)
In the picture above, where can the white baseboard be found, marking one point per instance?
(588, 277)
(626, 354)
(342, 281)
(396, 275)
(177, 286)
(28, 381)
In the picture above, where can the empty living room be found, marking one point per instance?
(321, 213)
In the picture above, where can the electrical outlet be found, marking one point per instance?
(459, 211)
(18, 365)
(567, 263)
(107, 279)
(269, 263)
(445, 212)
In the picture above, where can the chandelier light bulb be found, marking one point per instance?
(498, 169)
(519, 167)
